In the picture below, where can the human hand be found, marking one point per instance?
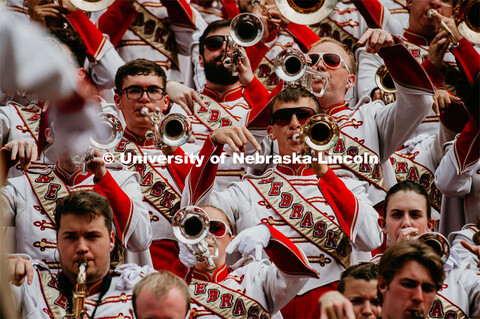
(318, 166)
(97, 165)
(474, 249)
(24, 151)
(408, 233)
(184, 96)
(334, 305)
(437, 49)
(44, 11)
(186, 257)
(235, 136)
(250, 242)
(245, 74)
(376, 39)
(19, 268)
(441, 100)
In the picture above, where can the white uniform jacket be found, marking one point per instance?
(32, 212)
(246, 204)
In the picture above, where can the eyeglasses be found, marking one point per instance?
(283, 117)
(215, 42)
(218, 228)
(154, 93)
(331, 60)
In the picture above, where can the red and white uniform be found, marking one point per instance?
(466, 234)
(246, 205)
(161, 186)
(458, 175)
(251, 287)
(45, 298)
(32, 212)
(153, 30)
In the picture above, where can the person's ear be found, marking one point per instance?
(270, 133)
(117, 98)
(200, 59)
(382, 285)
(382, 224)
(431, 224)
(112, 241)
(350, 81)
(49, 135)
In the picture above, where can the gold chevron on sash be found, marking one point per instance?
(305, 218)
(52, 294)
(48, 188)
(30, 116)
(370, 172)
(215, 115)
(225, 302)
(407, 169)
(442, 308)
(157, 33)
(155, 188)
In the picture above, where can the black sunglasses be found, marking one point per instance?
(215, 42)
(284, 116)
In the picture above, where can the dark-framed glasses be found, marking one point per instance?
(219, 228)
(283, 117)
(330, 59)
(134, 92)
(215, 42)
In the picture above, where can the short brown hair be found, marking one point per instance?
(84, 203)
(399, 254)
(352, 64)
(159, 284)
(292, 94)
(138, 67)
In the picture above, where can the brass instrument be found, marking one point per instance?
(108, 134)
(79, 310)
(191, 226)
(432, 14)
(320, 133)
(246, 29)
(438, 242)
(385, 83)
(291, 67)
(305, 12)
(92, 5)
(466, 15)
(262, 6)
(169, 130)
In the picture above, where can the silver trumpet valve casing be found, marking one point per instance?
(191, 226)
(169, 130)
(291, 66)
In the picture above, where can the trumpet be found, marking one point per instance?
(108, 134)
(432, 14)
(246, 29)
(170, 130)
(466, 19)
(79, 310)
(385, 83)
(91, 5)
(320, 133)
(305, 12)
(438, 242)
(191, 226)
(291, 66)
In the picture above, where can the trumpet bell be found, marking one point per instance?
(175, 129)
(438, 242)
(92, 5)
(191, 225)
(467, 19)
(290, 65)
(109, 133)
(385, 83)
(305, 12)
(246, 29)
(321, 132)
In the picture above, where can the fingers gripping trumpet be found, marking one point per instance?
(169, 130)
(291, 66)
(432, 14)
(191, 226)
(320, 134)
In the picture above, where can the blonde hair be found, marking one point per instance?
(352, 64)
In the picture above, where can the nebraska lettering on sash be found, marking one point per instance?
(407, 169)
(156, 189)
(442, 308)
(56, 301)
(155, 32)
(30, 116)
(225, 302)
(216, 117)
(346, 145)
(305, 218)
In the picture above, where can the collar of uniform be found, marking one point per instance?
(219, 275)
(415, 38)
(227, 96)
(139, 140)
(289, 170)
(71, 179)
(336, 108)
(94, 288)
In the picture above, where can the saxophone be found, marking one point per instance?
(80, 292)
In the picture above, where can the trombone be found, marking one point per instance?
(246, 29)
(291, 67)
(191, 226)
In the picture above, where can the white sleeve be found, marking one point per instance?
(103, 70)
(368, 64)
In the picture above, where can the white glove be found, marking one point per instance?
(250, 241)
(186, 257)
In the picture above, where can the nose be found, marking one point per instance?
(406, 222)
(82, 247)
(294, 122)
(144, 97)
(436, 3)
(367, 309)
(417, 294)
